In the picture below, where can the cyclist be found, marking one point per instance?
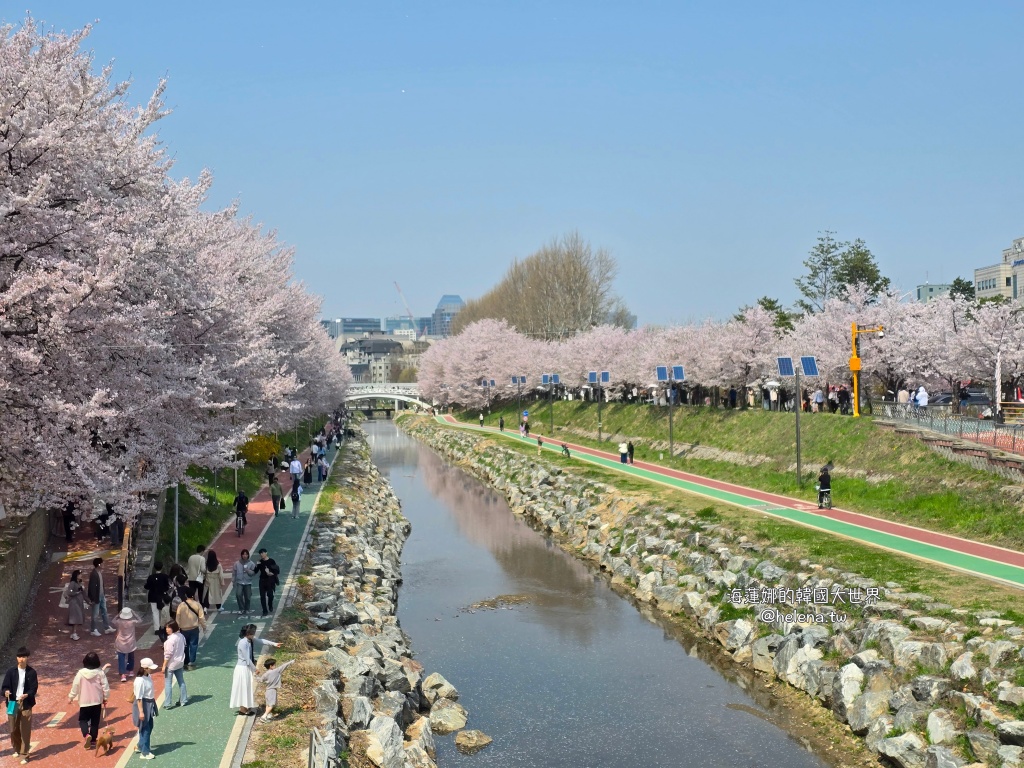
(241, 504)
(824, 485)
(565, 450)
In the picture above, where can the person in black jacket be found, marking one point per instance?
(268, 571)
(156, 586)
(20, 686)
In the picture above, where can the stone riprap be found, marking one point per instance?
(922, 682)
(377, 703)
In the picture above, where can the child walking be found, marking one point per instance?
(272, 679)
(144, 707)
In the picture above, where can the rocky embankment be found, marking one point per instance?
(377, 705)
(925, 684)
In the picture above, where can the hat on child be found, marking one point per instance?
(147, 663)
(126, 613)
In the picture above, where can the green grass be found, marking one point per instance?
(798, 542)
(877, 472)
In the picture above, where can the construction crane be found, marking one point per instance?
(408, 311)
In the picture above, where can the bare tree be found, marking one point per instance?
(563, 288)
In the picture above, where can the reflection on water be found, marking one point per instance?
(576, 676)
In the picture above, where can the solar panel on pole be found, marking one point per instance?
(592, 377)
(809, 365)
(605, 377)
(555, 379)
(661, 372)
(677, 373)
(785, 366)
(544, 378)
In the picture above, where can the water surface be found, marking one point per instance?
(575, 676)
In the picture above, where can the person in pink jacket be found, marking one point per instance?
(124, 642)
(92, 691)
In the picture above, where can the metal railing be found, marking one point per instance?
(320, 752)
(942, 418)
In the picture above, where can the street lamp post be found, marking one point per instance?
(669, 376)
(597, 379)
(552, 380)
(855, 364)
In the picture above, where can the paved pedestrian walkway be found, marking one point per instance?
(200, 735)
(977, 558)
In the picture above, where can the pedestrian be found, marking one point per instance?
(321, 468)
(623, 453)
(501, 426)
(630, 448)
(144, 709)
(241, 577)
(191, 620)
(526, 427)
(69, 521)
(268, 571)
(214, 581)
(125, 643)
(172, 574)
(921, 398)
(195, 569)
(276, 494)
(174, 665)
(732, 399)
(20, 686)
(481, 421)
(819, 400)
(540, 444)
(98, 599)
(307, 472)
(296, 497)
(272, 680)
(242, 695)
(74, 596)
(156, 587)
(295, 469)
(92, 691)
(271, 470)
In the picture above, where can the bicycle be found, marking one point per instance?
(824, 497)
(240, 523)
(565, 450)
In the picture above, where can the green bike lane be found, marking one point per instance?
(966, 555)
(204, 733)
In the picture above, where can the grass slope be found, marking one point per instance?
(877, 472)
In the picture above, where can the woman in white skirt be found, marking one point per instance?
(242, 684)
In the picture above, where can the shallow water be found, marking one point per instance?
(575, 675)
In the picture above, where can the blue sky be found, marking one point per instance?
(705, 145)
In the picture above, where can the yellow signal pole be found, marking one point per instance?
(855, 365)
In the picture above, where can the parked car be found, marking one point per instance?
(975, 397)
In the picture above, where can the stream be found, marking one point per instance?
(561, 671)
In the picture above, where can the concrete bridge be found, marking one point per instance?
(406, 393)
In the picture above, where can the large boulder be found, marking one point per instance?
(1011, 732)
(789, 661)
(845, 689)
(386, 743)
(886, 633)
(734, 634)
(763, 652)
(447, 716)
(436, 687)
(942, 757)
(420, 734)
(865, 710)
(906, 751)
(984, 744)
(941, 727)
(963, 668)
(469, 742)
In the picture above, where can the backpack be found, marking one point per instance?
(295, 495)
(242, 502)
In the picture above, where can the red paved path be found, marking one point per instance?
(946, 541)
(56, 657)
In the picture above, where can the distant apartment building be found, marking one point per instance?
(929, 291)
(447, 308)
(1005, 278)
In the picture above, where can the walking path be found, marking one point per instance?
(977, 558)
(204, 733)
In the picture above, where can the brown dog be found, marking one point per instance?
(105, 742)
